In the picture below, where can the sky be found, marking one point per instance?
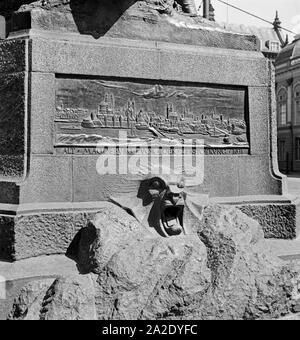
(289, 12)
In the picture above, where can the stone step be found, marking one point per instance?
(286, 249)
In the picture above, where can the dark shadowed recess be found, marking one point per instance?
(7, 7)
(96, 17)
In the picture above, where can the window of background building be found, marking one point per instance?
(297, 149)
(281, 150)
(297, 103)
(274, 46)
(282, 107)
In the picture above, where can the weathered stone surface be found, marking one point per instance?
(149, 60)
(260, 103)
(278, 221)
(19, 274)
(42, 129)
(49, 180)
(38, 233)
(28, 304)
(112, 229)
(291, 317)
(224, 271)
(248, 281)
(13, 110)
(47, 233)
(255, 176)
(9, 193)
(7, 238)
(13, 116)
(43, 234)
(35, 234)
(156, 278)
(13, 56)
(70, 298)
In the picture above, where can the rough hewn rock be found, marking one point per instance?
(112, 230)
(248, 281)
(245, 279)
(154, 278)
(70, 298)
(222, 271)
(64, 298)
(28, 304)
(292, 317)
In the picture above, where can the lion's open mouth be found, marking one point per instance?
(172, 219)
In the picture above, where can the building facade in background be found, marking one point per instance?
(270, 44)
(288, 106)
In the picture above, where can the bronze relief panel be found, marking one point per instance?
(91, 111)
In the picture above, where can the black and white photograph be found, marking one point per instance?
(149, 163)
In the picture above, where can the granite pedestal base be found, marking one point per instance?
(35, 230)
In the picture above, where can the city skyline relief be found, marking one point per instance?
(89, 111)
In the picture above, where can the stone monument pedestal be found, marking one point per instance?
(55, 73)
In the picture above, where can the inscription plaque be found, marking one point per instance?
(92, 111)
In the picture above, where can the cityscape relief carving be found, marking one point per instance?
(89, 111)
